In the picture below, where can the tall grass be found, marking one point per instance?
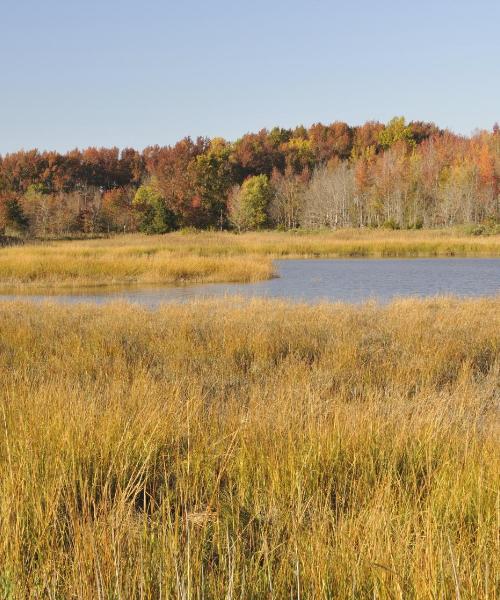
(206, 257)
(250, 450)
(62, 265)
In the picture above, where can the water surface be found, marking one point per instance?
(315, 280)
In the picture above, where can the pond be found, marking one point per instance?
(315, 280)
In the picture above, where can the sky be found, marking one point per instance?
(132, 73)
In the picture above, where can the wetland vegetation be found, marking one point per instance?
(250, 449)
(201, 257)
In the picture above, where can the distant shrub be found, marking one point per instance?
(489, 227)
(391, 224)
(189, 230)
(418, 224)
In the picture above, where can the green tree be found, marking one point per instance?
(212, 173)
(12, 217)
(249, 204)
(156, 217)
(396, 130)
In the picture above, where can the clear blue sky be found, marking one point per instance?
(139, 72)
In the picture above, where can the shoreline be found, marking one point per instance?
(214, 257)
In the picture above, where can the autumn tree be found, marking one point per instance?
(118, 213)
(257, 154)
(366, 137)
(330, 141)
(287, 199)
(37, 205)
(298, 155)
(399, 174)
(172, 168)
(329, 198)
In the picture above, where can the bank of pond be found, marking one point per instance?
(312, 281)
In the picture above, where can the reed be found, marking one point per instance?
(233, 449)
(68, 266)
(210, 257)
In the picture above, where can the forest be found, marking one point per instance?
(399, 176)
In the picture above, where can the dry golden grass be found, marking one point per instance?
(250, 450)
(210, 257)
(67, 265)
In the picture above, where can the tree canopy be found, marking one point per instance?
(334, 175)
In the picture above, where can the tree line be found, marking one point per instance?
(398, 175)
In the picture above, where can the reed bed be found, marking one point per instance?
(214, 257)
(347, 243)
(64, 266)
(250, 450)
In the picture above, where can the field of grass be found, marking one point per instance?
(211, 257)
(250, 450)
